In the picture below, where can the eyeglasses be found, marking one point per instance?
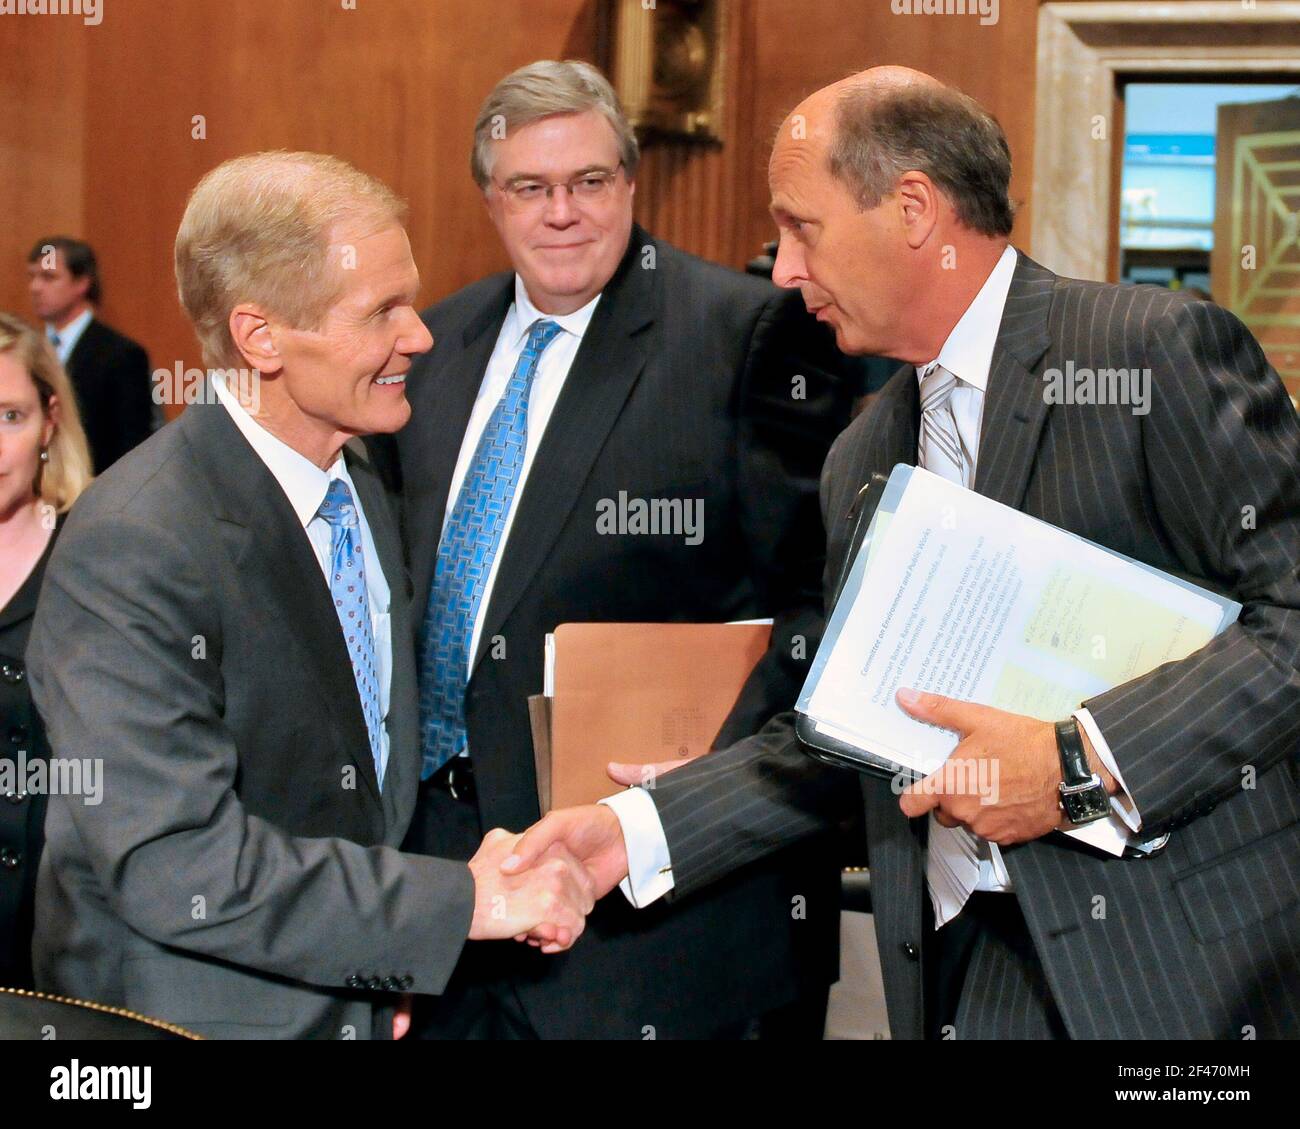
(589, 187)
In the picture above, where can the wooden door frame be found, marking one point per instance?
(1082, 49)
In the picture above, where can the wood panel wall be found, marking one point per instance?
(97, 138)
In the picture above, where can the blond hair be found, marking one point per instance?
(61, 479)
(257, 229)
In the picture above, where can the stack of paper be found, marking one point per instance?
(957, 594)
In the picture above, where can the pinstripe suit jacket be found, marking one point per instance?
(1203, 939)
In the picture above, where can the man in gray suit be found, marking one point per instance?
(225, 630)
(891, 194)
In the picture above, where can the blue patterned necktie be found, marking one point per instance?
(465, 554)
(348, 591)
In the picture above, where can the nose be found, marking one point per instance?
(559, 210)
(789, 269)
(415, 337)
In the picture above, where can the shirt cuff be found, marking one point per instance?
(649, 867)
(1121, 803)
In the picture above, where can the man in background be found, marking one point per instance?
(610, 362)
(110, 372)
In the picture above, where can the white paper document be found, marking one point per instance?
(957, 594)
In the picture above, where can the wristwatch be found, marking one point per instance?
(1083, 795)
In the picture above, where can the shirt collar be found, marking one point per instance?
(71, 333)
(524, 313)
(968, 352)
(303, 482)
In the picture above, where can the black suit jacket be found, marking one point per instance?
(1203, 939)
(240, 876)
(110, 375)
(683, 387)
(22, 814)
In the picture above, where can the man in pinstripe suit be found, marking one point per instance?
(891, 194)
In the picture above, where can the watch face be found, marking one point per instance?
(1086, 806)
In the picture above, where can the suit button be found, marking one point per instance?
(15, 798)
(10, 860)
(374, 984)
(406, 982)
(354, 981)
(910, 951)
(18, 735)
(392, 984)
(12, 672)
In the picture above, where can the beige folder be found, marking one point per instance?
(639, 693)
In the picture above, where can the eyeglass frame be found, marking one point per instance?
(609, 176)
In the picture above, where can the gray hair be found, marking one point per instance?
(541, 90)
(879, 135)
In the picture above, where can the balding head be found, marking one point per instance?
(881, 182)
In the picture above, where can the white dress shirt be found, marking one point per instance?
(548, 381)
(69, 335)
(305, 485)
(967, 354)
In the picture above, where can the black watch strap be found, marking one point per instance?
(1074, 757)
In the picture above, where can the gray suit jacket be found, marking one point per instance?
(241, 875)
(1203, 939)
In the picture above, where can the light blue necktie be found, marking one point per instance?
(469, 545)
(348, 591)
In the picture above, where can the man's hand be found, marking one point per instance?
(1001, 781)
(547, 903)
(591, 834)
(643, 775)
(402, 1015)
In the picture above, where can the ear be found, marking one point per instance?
(251, 332)
(53, 417)
(919, 201)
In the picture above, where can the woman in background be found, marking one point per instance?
(44, 465)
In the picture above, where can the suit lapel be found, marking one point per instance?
(443, 396)
(1015, 407)
(608, 363)
(896, 423)
(84, 347)
(403, 755)
(281, 574)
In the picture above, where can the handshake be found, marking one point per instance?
(540, 885)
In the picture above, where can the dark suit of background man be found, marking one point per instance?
(894, 220)
(110, 373)
(217, 631)
(661, 376)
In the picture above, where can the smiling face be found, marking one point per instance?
(345, 378)
(57, 295)
(24, 429)
(567, 248)
(852, 266)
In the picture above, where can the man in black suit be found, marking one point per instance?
(110, 373)
(891, 193)
(660, 377)
(221, 631)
